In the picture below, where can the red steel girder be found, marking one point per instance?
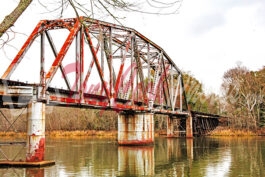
(145, 73)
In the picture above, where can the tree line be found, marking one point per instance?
(244, 97)
(242, 100)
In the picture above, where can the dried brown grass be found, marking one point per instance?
(12, 134)
(231, 132)
(60, 134)
(80, 133)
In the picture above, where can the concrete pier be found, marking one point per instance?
(35, 132)
(136, 128)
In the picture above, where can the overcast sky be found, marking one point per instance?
(209, 37)
(205, 37)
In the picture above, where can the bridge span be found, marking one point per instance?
(83, 62)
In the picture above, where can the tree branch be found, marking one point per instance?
(10, 19)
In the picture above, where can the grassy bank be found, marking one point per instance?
(226, 131)
(219, 131)
(76, 133)
(79, 133)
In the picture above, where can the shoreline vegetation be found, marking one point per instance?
(73, 122)
(218, 132)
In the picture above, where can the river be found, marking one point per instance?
(176, 157)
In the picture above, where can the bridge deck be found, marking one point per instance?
(13, 95)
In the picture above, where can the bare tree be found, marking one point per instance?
(88, 8)
(244, 92)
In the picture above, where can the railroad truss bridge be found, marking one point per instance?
(83, 62)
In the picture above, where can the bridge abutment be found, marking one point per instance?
(35, 132)
(136, 128)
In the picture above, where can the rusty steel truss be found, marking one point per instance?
(107, 67)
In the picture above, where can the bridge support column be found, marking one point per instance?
(189, 130)
(136, 128)
(170, 126)
(35, 132)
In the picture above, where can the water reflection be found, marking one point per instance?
(198, 157)
(83, 157)
(220, 167)
(136, 161)
(171, 156)
(35, 172)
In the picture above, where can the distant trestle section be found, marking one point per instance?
(204, 123)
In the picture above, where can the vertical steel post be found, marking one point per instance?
(42, 65)
(102, 51)
(77, 62)
(35, 132)
(149, 72)
(110, 64)
(171, 88)
(81, 88)
(132, 66)
(180, 93)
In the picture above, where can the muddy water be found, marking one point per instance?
(198, 157)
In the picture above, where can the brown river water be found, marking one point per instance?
(176, 157)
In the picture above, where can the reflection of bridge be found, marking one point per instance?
(98, 65)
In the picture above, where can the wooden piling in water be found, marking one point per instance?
(23, 164)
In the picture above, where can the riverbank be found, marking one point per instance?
(226, 131)
(76, 133)
(60, 133)
(231, 132)
(219, 131)
(80, 133)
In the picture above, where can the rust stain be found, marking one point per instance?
(38, 154)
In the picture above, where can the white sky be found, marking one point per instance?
(205, 38)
